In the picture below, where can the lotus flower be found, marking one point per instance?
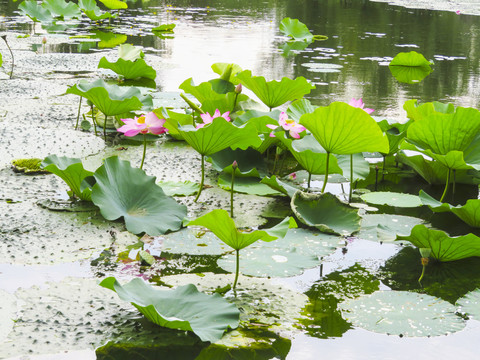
(144, 124)
(359, 104)
(293, 128)
(207, 118)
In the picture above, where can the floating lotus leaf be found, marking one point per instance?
(470, 304)
(35, 11)
(172, 188)
(275, 93)
(418, 112)
(309, 154)
(184, 308)
(224, 228)
(344, 129)
(62, 9)
(218, 135)
(72, 172)
(90, 8)
(392, 199)
(402, 313)
(444, 247)
(326, 213)
(279, 185)
(124, 191)
(164, 28)
(386, 227)
(410, 67)
(109, 99)
(129, 69)
(298, 31)
(469, 213)
(114, 4)
(246, 185)
(249, 162)
(298, 108)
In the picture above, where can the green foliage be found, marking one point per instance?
(298, 31)
(184, 308)
(62, 9)
(114, 4)
(410, 67)
(392, 199)
(35, 11)
(90, 8)
(129, 69)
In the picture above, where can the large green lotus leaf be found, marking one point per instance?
(130, 52)
(35, 11)
(202, 92)
(71, 171)
(325, 212)
(361, 167)
(386, 227)
(470, 304)
(418, 112)
(173, 188)
(108, 39)
(227, 68)
(309, 154)
(395, 132)
(63, 9)
(296, 30)
(249, 162)
(279, 185)
(91, 10)
(410, 67)
(218, 135)
(224, 228)
(192, 241)
(184, 308)
(122, 190)
(443, 133)
(275, 93)
(114, 4)
(226, 102)
(129, 69)
(444, 247)
(402, 313)
(246, 185)
(411, 58)
(344, 129)
(392, 199)
(471, 154)
(260, 120)
(173, 120)
(469, 213)
(298, 108)
(109, 99)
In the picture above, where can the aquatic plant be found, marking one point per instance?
(294, 129)
(62, 9)
(4, 37)
(35, 11)
(410, 67)
(94, 13)
(114, 4)
(207, 118)
(224, 228)
(298, 31)
(163, 31)
(148, 123)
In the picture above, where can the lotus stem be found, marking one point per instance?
(4, 37)
(78, 114)
(105, 129)
(326, 173)
(203, 178)
(383, 168)
(351, 179)
(309, 180)
(234, 168)
(424, 265)
(376, 178)
(144, 150)
(454, 182)
(191, 104)
(94, 121)
(446, 186)
(237, 269)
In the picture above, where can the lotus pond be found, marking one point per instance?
(193, 181)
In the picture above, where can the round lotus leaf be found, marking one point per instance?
(470, 304)
(392, 199)
(402, 313)
(192, 241)
(386, 227)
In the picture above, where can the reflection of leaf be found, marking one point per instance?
(402, 313)
(108, 40)
(184, 308)
(124, 191)
(326, 213)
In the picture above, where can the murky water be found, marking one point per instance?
(362, 37)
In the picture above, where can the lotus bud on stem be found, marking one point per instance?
(4, 37)
(234, 168)
(44, 42)
(238, 90)
(425, 253)
(192, 105)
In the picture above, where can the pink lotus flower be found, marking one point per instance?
(144, 124)
(359, 104)
(293, 128)
(207, 118)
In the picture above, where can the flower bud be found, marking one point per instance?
(44, 40)
(238, 89)
(234, 164)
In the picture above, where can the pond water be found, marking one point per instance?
(362, 38)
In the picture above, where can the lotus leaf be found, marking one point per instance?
(192, 241)
(279, 185)
(402, 313)
(325, 212)
(219, 135)
(246, 185)
(395, 134)
(392, 199)
(130, 52)
(344, 129)
(298, 108)
(361, 167)
(469, 213)
(444, 247)
(410, 67)
(108, 40)
(72, 172)
(418, 112)
(184, 308)
(61, 8)
(91, 10)
(172, 188)
(275, 93)
(470, 304)
(173, 120)
(109, 99)
(249, 162)
(260, 120)
(386, 227)
(124, 191)
(35, 11)
(114, 4)
(226, 68)
(164, 28)
(298, 31)
(129, 69)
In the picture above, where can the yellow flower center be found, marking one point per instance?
(141, 120)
